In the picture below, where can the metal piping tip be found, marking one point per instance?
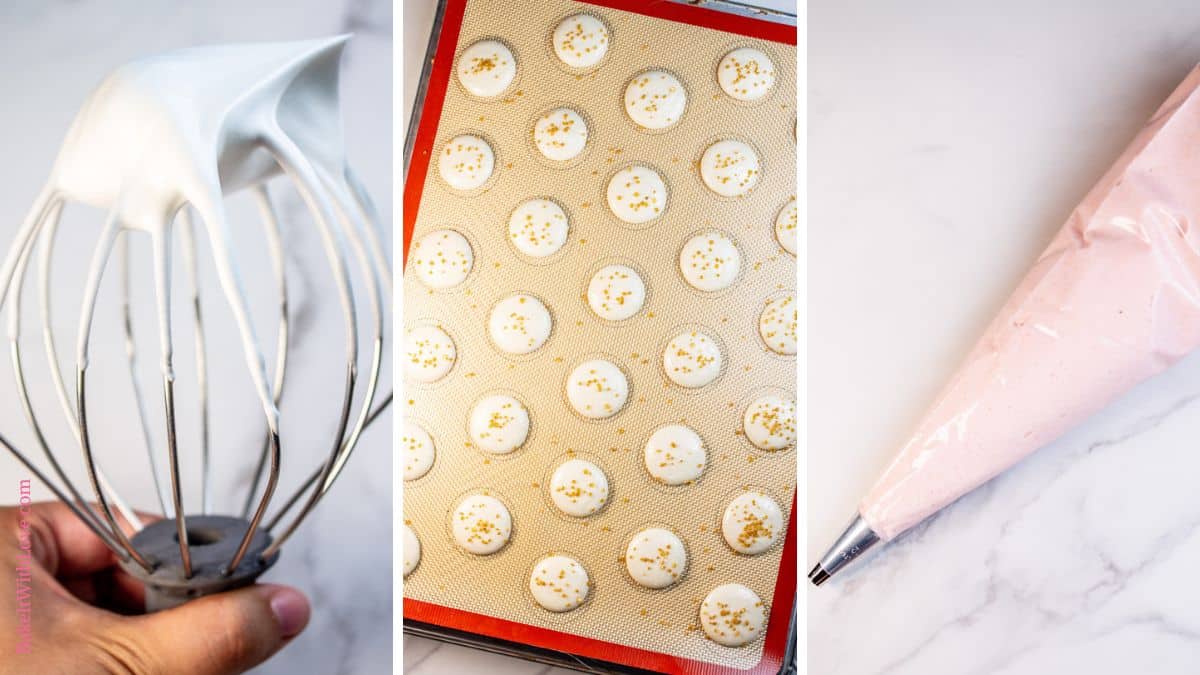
(818, 575)
(855, 540)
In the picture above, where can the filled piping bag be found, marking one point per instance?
(1114, 300)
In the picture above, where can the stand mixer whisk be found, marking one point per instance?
(158, 145)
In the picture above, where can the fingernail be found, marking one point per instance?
(291, 610)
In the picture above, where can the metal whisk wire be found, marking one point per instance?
(76, 501)
(368, 252)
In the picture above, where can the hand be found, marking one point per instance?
(83, 610)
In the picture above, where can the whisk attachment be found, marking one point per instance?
(212, 541)
(158, 145)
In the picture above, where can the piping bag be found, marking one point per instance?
(1114, 300)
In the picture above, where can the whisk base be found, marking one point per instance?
(213, 540)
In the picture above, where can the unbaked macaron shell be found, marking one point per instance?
(581, 41)
(616, 292)
(429, 354)
(710, 261)
(770, 422)
(692, 359)
(777, 324)
(519, 324)
(538, 228)
(578, 488)
(752, 523)
(655, 558)
(560, 135)
(487, 68)
(466, 162)
(442, 259)
(675, 455)
(732, 615)
(746, 74)
(655, 100)
(499, 424)
(637, 195)
(597, 389)
(785, 226)
(730, 168)
(481, 524)
(418, 449)
(559, 583)
(412, 550)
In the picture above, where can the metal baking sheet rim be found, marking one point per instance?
(521, 650)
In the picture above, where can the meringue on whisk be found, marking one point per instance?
(158, 146)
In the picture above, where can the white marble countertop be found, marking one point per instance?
(55, 52)
(946, 145)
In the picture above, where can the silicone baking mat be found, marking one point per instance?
(620, 622)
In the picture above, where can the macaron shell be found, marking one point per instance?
(466, 162)
(655, 558)
(487, 68)
(675, 455)
(616, 292)
(418, 450)
(429, 354)
(710, 261)
(732, 615)
(777, 324)
(655, 100)
(637, 195)
(692, 360)
(442, 259)
(481, 524)
(785, 226)
(578, 488)
(730, 168)
(746, 74)
(770, 423)
(752, 523)
(559, 583)
(499, 424)
(581, 41)
(412, 550)
(538, 228)
(560, 135)
(597, 389)
(520, 324)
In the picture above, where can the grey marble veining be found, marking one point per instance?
(947, 144)
(54, 53)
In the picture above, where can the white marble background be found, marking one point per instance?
(53, 52)
(948, 141)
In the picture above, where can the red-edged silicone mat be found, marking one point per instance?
(502, 635)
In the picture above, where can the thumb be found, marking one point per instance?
(225, 633)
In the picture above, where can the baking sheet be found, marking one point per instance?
(617, 610)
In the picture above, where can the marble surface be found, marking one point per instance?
(946, 146)
(55, 52)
